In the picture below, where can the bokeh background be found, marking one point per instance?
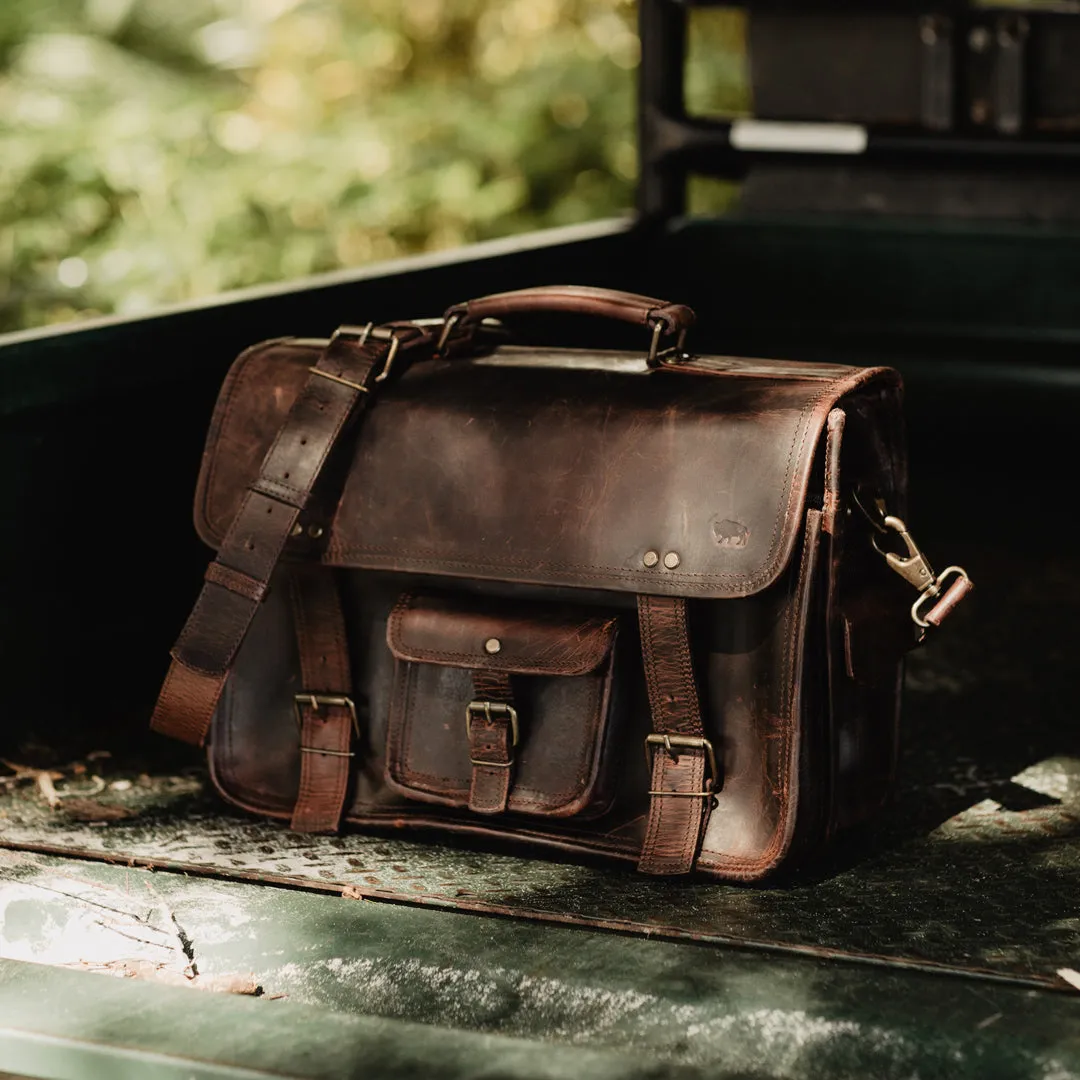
(153, 151)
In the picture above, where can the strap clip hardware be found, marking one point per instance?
(916, 570)
(914, 567)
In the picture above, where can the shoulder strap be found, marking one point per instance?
(341, 383)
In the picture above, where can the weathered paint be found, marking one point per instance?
(725, 1012)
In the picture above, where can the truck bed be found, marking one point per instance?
(932, 943)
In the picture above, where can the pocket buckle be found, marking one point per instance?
(488, 710)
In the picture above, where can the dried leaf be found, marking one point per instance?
(90, 810)
(227, 984)
(45, 786)
(159, 973)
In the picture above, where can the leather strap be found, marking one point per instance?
(679, 805)
(341, 381)
(947, 602)
(325, 710)
(491, 741)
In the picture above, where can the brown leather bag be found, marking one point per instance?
(589, 600)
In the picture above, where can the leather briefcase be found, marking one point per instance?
(640, 605)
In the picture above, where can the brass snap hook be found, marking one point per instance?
(914, 568)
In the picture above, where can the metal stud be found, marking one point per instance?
(671, 560)
(297, 530)
(492, 645)
(650, 558)
(314, 531)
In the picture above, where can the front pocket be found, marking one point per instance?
(500, 706)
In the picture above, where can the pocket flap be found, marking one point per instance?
(497, 636)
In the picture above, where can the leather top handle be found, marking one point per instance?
(577, 299)
(660, 315)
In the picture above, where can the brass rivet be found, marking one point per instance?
(297, 530)
(671, 560)
(651, 558)
(492, 645)
(314, 531)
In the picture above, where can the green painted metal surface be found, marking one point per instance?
(61, 1025)
(632, 1004)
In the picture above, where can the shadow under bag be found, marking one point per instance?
(604, 603)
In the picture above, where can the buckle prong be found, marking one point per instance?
(684, 742)
(487, 709)
(327, 700)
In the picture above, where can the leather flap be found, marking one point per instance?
(559, 467)
(490, 635)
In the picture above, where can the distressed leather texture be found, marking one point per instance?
(567, 475)
(613, 551)
(554, 665)
(543, 641)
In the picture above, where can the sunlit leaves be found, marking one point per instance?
(155, 151)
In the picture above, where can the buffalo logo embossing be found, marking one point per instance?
(730, 534)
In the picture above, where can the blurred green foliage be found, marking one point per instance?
(157, 150)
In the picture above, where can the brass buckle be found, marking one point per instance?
(686, 742)
(328, 700)
(362, 334)
(444, 337)
(487, 709)
(381, 333)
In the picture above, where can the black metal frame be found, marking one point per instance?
(672, 144)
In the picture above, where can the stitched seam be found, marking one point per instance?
(528, 795)
(594, 658)
(263, 478)
(232, 382)
(315, 808)
(585, 756)
(398, 721)
(830, 389)
(661, 809)
(773, 849)
(473, 660)
(227, 545)
(649, 856)
(400, 732)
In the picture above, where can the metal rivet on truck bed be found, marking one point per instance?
(671, 560)
(651, 558)
(492, 645)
